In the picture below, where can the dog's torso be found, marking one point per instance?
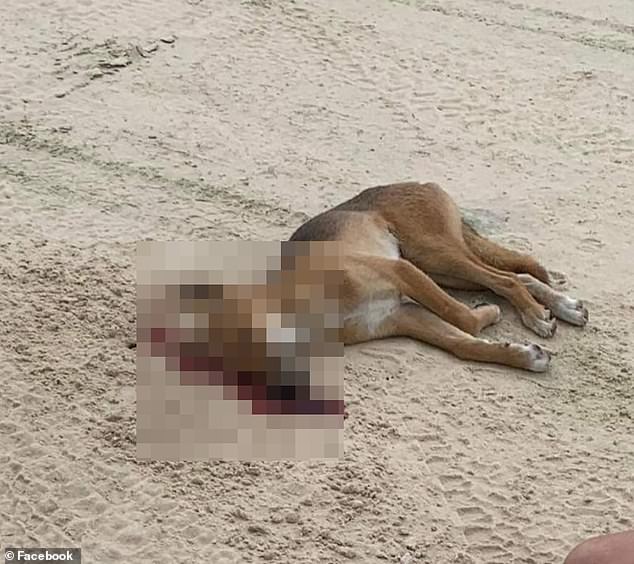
(372, 225)
(400, 241)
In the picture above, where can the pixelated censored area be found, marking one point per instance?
(239, 350)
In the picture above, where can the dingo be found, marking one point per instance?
(401, 242)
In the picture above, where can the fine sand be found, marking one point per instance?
(171, 119)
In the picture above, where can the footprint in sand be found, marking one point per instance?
(558, 279)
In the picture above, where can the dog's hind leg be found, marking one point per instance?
(411, 282)
(564, 307)
(462, 264)
(500, 257)
(411, 320)
(455, 283)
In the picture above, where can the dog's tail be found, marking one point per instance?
(499, 257)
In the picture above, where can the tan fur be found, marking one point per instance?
(401, 242)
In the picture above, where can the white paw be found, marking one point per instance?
(537, 358)
(571, 310)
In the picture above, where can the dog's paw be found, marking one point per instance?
(489, 314)
(537, 358)
(572, 311)
(544, 324)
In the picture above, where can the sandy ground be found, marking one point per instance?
(165, 119)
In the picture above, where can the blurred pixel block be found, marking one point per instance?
(239, 350)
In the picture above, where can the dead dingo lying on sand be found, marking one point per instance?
(401, 242)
